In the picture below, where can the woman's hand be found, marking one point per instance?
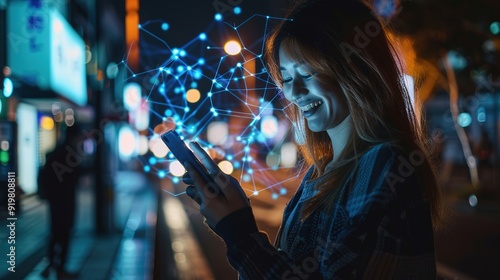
(227, 197)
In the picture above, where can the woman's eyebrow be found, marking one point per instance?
(295, 65)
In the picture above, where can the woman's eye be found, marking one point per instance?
(287, 80)
(307, 77)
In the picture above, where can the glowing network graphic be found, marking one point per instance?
(215, 90)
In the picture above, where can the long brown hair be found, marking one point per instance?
(346, 42)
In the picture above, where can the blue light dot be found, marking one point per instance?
(235, 79)
(175, 51)
(147, 168)
(209, 95)
(139, 26)
(180, 68)
(201, 61)
(214, 81)
(282, 191)
(236, 164)
(168, 112)
(165, 26)
(212, 109)
(194, 85)
(250, 171)
(176, 117)
(495, 28)
(8, 87)
(177, 90)
(229, 157)
(161, 174)
(255, 193)
(175, 180)
(237, 10)
(216, 114)
(238, 64)
(218, 17)
(274, 196)
(186, 109)
(197, 74)
(246, 178)
(203, 36)
(152, 160)
(182, 53)
(247, 149)
(189, 68)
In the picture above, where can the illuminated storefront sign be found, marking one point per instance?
(43, 49)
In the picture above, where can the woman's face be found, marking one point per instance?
(323, 104)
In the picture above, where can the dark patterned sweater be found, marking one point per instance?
(379, 228)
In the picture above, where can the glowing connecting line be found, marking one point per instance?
(222, 97)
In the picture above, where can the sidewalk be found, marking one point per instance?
(124, 254)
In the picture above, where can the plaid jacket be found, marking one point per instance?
(379, 228)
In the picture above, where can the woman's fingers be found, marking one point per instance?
(193, 194)
(206, 160)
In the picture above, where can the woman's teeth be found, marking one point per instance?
(310, 106)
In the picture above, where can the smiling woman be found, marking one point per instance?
(369, 202)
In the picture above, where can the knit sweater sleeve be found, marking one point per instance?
(387, 233)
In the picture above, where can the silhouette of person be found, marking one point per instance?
(58, 180)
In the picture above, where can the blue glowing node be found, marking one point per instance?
(209, 95)
(495, 28)
(201, 61)
(236, 164)
(202, 36)
(186, 109)
(194, 85)
(180, 68)
(147, 168)
(177, 90)
(255, 193)
(229, 157)
(218, 17)
(165, 26)
(246, 178)
(175, 51)
(8, 87)
(197, 74)
(274, 196)
(183, 53)
(282, 191)
(152, 160)
(161, 174)
(175, 180)
(237, 10)
(168, 112)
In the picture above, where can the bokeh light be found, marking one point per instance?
(193, 95)
(176, 168)
(226, 167)
(232, 47)
(47, 123)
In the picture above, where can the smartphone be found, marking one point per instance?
(184, 154)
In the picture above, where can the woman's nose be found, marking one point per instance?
(298, 89)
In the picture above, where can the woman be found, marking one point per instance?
(367, 206)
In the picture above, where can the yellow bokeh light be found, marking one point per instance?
(177, 169)
(47, 123)
(226, 167)
(232, 47)
(193, 95)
